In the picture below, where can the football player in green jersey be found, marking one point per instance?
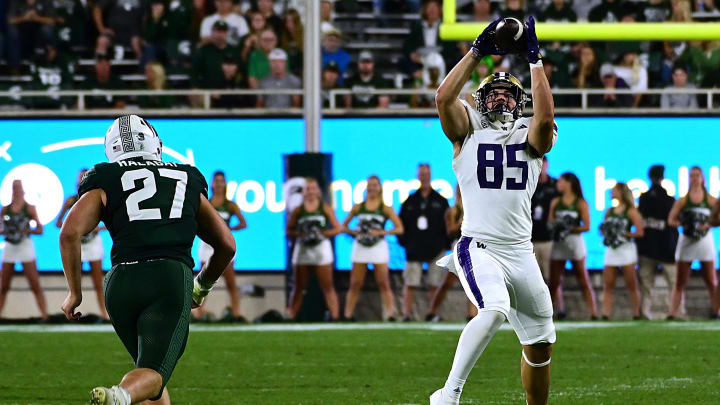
(153, 210)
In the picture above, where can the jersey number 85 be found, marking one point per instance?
(496, 163)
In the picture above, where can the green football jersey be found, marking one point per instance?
(151, 210)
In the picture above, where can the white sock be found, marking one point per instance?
(122, 394)
(474, 339)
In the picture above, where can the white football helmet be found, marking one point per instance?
(131, 136)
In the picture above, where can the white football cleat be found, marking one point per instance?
(438, 398)
(106, 396)
(102, 396)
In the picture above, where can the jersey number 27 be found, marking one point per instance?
(496, 163)
(135, 213)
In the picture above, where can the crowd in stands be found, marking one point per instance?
(258, 44)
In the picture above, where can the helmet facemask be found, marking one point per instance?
(500, 97)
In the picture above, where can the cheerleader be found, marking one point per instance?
(308, 226)
(370, 247)
(453, 222)
(569, 218)
(91, 250)
(621, 251)
(19, 247)
(227, 209)
(693, 213)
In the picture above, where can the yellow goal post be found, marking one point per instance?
(452, 30)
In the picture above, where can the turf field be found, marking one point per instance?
(593, 363)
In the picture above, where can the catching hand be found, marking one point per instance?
(533, 48)
(485, 44)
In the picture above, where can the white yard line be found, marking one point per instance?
(284, 327)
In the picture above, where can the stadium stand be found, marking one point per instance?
(59, 45)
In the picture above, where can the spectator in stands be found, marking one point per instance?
(684, 101)
(483, 12)
(610, 81)
(655, 11)
(632, 71)
(179, 18)
(330, 75)
(514, 9)
(49, 73)
(425, 239)
(251, 41)
(424, 38)
(586, 74)
(199, 11)
(207, 64)
(267, 10)
(559, 11)
(231, 79)
(155, 79)
(671, 52)
(71, 23)
(397, 6)
(30, 25)
(292, 39)
(118, 22)
(279, 78)
(681, 11)
(167, 37)
(237, 26)
(366, 79)
(326, 17)
(706, 6)
(702, 59)
(156, 32)
(656, 249)
(332, 51)
(608, 11)
(259, 64)
(432, 74)
(104, 79)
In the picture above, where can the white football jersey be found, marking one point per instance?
(497, 174)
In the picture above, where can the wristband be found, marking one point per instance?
(201, 290)
(536, 65)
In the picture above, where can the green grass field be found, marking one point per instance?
(598, 363)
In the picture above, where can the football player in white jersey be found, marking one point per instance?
(497, 161)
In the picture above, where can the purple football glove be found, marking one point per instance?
(533, 48)
(484, 44)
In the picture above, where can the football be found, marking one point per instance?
(511, 35)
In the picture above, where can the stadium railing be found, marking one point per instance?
(334, 108)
